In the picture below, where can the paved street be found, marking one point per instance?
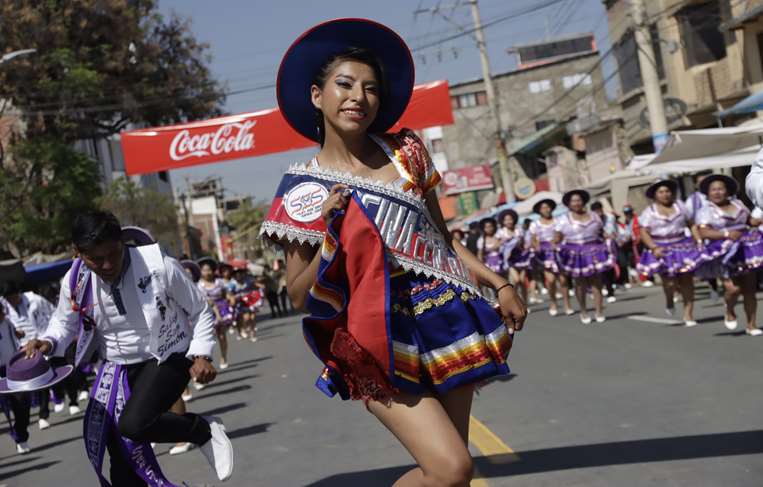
(632, 402)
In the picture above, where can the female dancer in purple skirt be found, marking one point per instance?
(583, 254)
(417, 337)
(515, 256)
(670, 251)
(735, 248)
(489, 246)
(543, 231)
(214, 290)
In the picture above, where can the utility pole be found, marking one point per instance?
(649, 77)
(507, 180)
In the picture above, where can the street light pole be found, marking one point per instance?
(507, 180)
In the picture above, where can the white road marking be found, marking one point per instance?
(652, 319)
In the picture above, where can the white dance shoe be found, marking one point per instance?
(180, 448)
(755, 332)
(218, 450)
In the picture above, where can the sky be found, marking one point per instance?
(248, 37)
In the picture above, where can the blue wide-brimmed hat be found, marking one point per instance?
(312, 49)
(31, 374)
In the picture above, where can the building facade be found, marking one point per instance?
(704, 66)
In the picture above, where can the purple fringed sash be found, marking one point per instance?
(110, 393)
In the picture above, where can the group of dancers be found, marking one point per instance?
(396, 311)
(711, 236)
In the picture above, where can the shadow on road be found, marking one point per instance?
(623, 315)
(19, 462)
(250, 430)
(243, 387)
(40, 466)
(216, 384)
(580, 456)
(729, 334)
(501, 378)
(224, 409)
(709, 319)
(239, 366)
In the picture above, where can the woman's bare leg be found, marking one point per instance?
(730, 296)
(550, 282)
(686, 286)
(598, 297)
(424, 427)
(669, 289)
(581, 285)
(222, 340)
(748, 285)
(564, 284)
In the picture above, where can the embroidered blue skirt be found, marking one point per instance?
(443, 336)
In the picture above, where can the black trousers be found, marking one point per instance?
(275, 306)
(284, 295)
(154, 389)
(20, 404)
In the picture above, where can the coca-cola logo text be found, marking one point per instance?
(231, 137)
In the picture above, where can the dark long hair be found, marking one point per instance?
(357, 54)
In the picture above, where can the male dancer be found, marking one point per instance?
(155, 331)
(18, 403)
(29, 313)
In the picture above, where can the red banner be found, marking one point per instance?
(254, 134)
(472, 178)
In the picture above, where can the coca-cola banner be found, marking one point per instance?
(253, 134)
(472, 178)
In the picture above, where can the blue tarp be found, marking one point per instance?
(751, 104)
(50, 271)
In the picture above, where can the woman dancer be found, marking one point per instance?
(583, 254)
(515, 257)
(543, 231)
(214, 290)
(669, 251)
(489, 245)
(416, 370)
(735, 250)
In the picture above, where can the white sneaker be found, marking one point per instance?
(611, 299)
(57, 408)
(180, 448)
(231, 330)
(669, 311)
(731, 325)
(198, 386)
(755, 332)
(569, 312)
(223, 365)
(585, 319)
(544, 291)
(153, 446)
(553, 311)
(218, 450)
(22, 448)
(43, 424)
(253, 339)
(601, 319)
(647, 284)
(628, 285)
(73, 410)
(187, 397)
(605, 292)
(690, 323)
(83, 396)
